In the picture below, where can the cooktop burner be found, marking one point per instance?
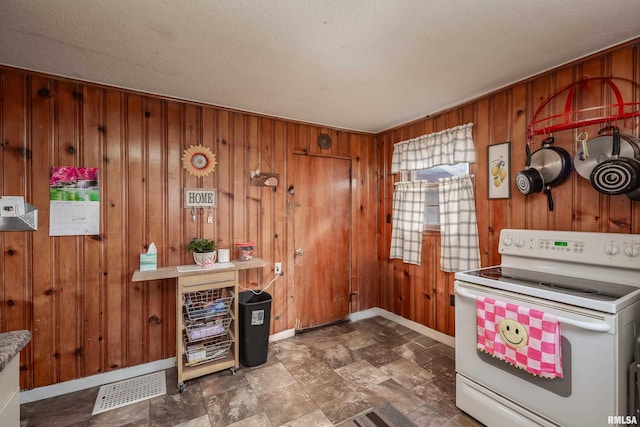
(555, 283)
(557, 287)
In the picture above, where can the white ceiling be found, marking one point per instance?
(364, 65)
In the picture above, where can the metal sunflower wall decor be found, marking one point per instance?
(199, 160)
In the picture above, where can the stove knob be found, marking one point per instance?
(611, 249)
(507, 241)
(632, 251)
(519, 242)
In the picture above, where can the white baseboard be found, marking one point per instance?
(95, 380)
(159, 365)
(431, 333)
(113, 376)
(282, 335)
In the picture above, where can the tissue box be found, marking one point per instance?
(148, 262)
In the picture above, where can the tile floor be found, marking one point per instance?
(318, 378)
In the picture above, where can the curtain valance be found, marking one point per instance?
(447, 147)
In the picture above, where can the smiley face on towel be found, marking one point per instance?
(513, 333)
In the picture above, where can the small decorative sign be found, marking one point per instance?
(200, 198)
(198, 160)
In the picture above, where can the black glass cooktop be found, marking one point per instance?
(584, 288)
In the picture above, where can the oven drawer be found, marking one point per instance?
(492, 409)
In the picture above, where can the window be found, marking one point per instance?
(432, 175)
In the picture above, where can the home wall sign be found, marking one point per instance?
(200, 198)
(198, 160)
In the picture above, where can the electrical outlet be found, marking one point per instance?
(277, 268)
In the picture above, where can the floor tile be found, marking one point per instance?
(232, 406)
(269, 378)
(314, 419)
(338, 356)
(406, 373)
(377, 354)
(319, 378)
(135, 414)
(260, 420)
(224, 381)
(316, 376)
(340, 403)
(355, 340)
(172, 409)
(72, 409)
(287, 404)
(392, 392)
(361, 375)
(202, 421)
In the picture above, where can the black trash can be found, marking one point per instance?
(255, 318)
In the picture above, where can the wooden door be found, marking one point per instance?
(322, 239)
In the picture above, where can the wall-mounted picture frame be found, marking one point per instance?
(499, 170)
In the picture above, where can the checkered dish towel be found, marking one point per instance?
(540, 354)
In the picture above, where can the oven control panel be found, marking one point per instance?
(613, 249)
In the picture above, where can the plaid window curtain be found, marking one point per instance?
(459, 248)
(409, 198)
(448, 147)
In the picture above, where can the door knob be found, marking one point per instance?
(299, 251)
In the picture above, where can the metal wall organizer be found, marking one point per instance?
(26, 222)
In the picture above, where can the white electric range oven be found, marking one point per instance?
(590, 283)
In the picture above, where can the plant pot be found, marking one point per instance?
(205, 258)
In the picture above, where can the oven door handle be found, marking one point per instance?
(590, 326)
(595, 326)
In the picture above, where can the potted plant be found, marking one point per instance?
(204, 250)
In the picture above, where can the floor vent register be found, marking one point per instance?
(127, 392)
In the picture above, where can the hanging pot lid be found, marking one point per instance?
(599, 150)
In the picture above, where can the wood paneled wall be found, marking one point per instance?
(75, 293)
(422, 293)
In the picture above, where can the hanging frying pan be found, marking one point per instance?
(554, 163)
(600, 149)
(544, 168)
(617, 175)
(529, 180)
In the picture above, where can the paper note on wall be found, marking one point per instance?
(74, 205)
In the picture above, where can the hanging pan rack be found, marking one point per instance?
(573, 118)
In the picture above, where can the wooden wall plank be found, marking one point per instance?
(278, 216)
(92, 285)
(67, 251)
(44, 320)
(136, 238)
(518, 136)
(225, 178)
(113, 186)
(290, 146)
(15, 160)
(156, 225)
